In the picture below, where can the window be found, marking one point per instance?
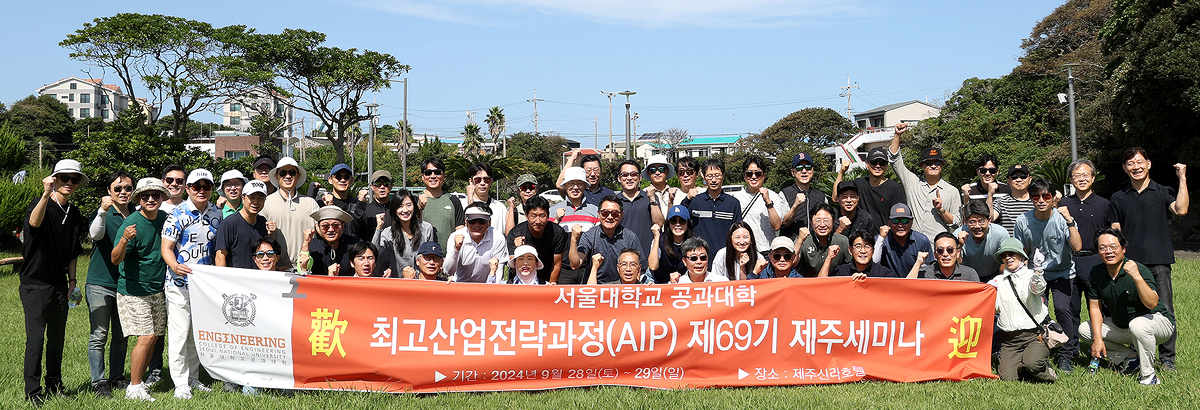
(235, 120)
(72, 86)
(71, 112)
(52, 95)
(104, 99)
(236, 154)
(235, 107)
(71, 97)
(85, 98)
(104, 114)
(85, 112)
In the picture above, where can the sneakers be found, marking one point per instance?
(138, 392)
(102, 389)
(1167, 365)
(232, 387)
(183, 393)
(1152, 380)
(195, 384)
(249, 391)
(119, 383)
(1065, 365)
(1131, 366)
(154, 377)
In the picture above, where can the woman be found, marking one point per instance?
(401, 239)
(101, 287)
(744, 255)
(525, 265)
(1018, 297)
(362, 259)
(665, 257)
(695, 257)
(266, 253)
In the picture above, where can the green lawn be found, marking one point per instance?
(1079, 390)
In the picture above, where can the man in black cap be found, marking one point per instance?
(849, 205)
(801, 196)
(263, 165)
(876, 191)
(429, 263)
(1006, 209)
(936, 203)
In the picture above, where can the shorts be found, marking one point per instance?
(143, 315)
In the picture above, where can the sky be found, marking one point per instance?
(711, 67)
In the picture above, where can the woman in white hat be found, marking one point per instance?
(525, 265)
(1018, 302)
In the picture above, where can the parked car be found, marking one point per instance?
(551, 196)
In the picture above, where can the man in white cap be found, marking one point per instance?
(474, 247)
(780, 262)
(140, 299)
(288, 209)
(52, 231)
(237, 233)
(230, 190)
(187, 240)
(575, 211)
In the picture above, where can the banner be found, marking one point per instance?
(271, 329)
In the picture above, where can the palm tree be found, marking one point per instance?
(406, 133)
(495, 122)
(472, 140)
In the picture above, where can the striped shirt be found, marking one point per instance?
(712, 217)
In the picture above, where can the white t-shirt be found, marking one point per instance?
(755, 213)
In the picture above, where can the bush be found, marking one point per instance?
(14, 198)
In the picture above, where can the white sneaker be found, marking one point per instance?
(138, 392)
(195, 384)
(1152, 380)
(183, 392)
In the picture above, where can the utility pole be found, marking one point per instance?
(628, 139)
(635, 118)
(846, 93)
(610, 96)
(404, 138)
(371, 138)
(1071, 103)
(504, 137)
(535, 100)
(596, 122)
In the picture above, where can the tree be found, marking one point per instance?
(495, 122)
(542, 154)
(12, 149)
(327, 82)
(811, 127)
(41, 117)
(670, 140)
(472, 142)
(268, 127)
(180, 62)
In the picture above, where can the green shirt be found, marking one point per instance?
(226, 210)
(813, 256)
(142, 271)
(1120, 294)
(101, 271)
(444, 213)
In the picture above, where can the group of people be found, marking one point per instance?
(1023, 237)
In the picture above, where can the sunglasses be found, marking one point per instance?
(932, 163)
(481, 180)
(946, 250)
(804, 167)
(1018, 176)
(263, 169)
(781, 256)
(383, 183)
(173, 180)
(123, 188)
(701, 258)
(988, 170)
(607, 213)
(628, 174)
(677, 221)
(1045, 196)
(686, 172)
(284, 173)
(879, 163)
(201, 187)
(153, 196)
(343, 176)
(529, 187)
(267, 254)
(901, 221)
(656, 170)
(69, 179)
(478, 221)
(754, 174)
(431, 172)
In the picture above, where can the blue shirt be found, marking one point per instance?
(595, 241)
(769, 272)
(1052, 238)
(595, 197)
(194, 233)
(982, 256)
(900, 258)
(713, 216)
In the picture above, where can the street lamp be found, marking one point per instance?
(371, 139)
(628, 140)
(610, 96)
(1071, 104)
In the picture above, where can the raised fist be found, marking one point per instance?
(512, 203)
(458, 241)
(422, 200)
(597, 259)
(832, 252)
(333, 270)
(883, 230)
(656, 230)
(559, 213)
(962, 236)
(744, 259)
(901, 128)
(845, 167)
(308, 235)
(130, 232)
(387, 273)
(408, 272)
(271, 227)
(694, 191)
(105, 203)
(922, 256)
(760, 265)
(844, 221)
(576, 230)
(327, 199)
(1181, 171)
(766, 193)
(48, 184)
(379, 221)
(800, 198)
(518, 241)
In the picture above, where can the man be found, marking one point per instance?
(187, 240)
(687, 169)
(1143, 211)
(591, 168)
(713, 211)
(52, 230)
(1135, 314)
(547, 237)
(759, 208)
(288, 209)
(639, 210)
(862, 249)
(381, 192)
(981, 240)
(801, 196)
(571, 213)
(986, 188)
(1006, 209)
(1054, 235)
(780, 263)
(934, 212)
(853, 217)
(101, 287)
(878, 193)
(175, 177)
(607, 239)
(437, 207)
(947, 252)
(230, 189)
(341, 179)
(468, 260)
(658, 171)
(263, 166)
(237, 234)
(1089, 210)
(428, 263)
(695, 259)
(629, 269)
(140, 296)
(526, 188)
(822, 246)
(479, 189)
(899, 245)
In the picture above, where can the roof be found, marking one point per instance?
(890, 107)
(96, 81)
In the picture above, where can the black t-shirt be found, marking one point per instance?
(1145, 219)
(366, 220)
(812, 197)
(352, 206)
(554, 241)
(874, 270)
(236, 236)
(878, 200)
(49, 248)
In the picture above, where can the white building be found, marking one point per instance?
(878, 127)
(238, 110)
(87, 97)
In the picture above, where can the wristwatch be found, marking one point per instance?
(1072, 224)
(770, 205)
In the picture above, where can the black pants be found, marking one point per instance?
(45, 309)
(1066, 310)
(1162, 283)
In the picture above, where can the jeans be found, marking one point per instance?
(1143, 334)
(1066, 310)
(102, 314)
(1162, 283)
(45, 309)
(181, 348)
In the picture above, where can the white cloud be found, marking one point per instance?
(645, 13)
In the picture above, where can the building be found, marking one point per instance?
(237, 144)
(878, 127)
(649, 144)
(87, 97)
(238, 110)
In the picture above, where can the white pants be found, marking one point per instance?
(1144, 334)
(181, 348)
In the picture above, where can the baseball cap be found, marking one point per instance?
(1018, 168)
(783, 242)
(263, 161)
(526, 179)
(383, 173)
(901, 210)
(796, 159)
(877, 153)
(253, 187)
(932, 153)
(680, 211)
(341, 167)
(198, 175)
(846, 186)
(431, 248)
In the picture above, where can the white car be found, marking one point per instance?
(551, 196)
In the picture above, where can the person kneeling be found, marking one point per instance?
(1020, 312)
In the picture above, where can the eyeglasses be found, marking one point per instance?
(152, 196)
(263, 169)
(592, 170)
(283, 173)
(1045, 196)
(481, 180)
(610, 213)
(365, 258)
(123, 188)
(343, 176)
(754, 174)
(701, 258)
(634, 265)
(173, 180)
(714, 176)
(201, 187)
(686, 172)
(529, 187)
(1131, 164)
(431, 172)
(330, 226)
(987, 170)
(266, 254)
(660, 169)
(861, 246)
(629, 174)
(66, 179)
(1107, 248)
(853, 197)
(1081, 175)
(382, 183)
(779, 256)
(946, 250)
(478, 221)
(804, 167)
(901, 221)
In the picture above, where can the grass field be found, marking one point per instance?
(1079, 390)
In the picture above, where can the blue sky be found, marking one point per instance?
(712, 67)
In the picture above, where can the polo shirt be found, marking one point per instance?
(1120, 295)
(901, 258)
(812, 256)
(982, 256)
(961, 272)
(554, 241)
(1009, 209)
(101, 271)
(237, 236)
(594, 197)
(873, 270)
(708, 277)
(470, 264)
(812, 197)
(50, 247)
(1145, 219)
(921, 195)
(445, 214)
(143, 266)
(635, 214)
(596, 241)
(1052, 238)
(1089, 214)
(769, 273)
(499, 213)
(878, 200)
(585, 215)
(193, 232)
(758, 216)
(977, 191)
(228, 210)
(712, 217)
